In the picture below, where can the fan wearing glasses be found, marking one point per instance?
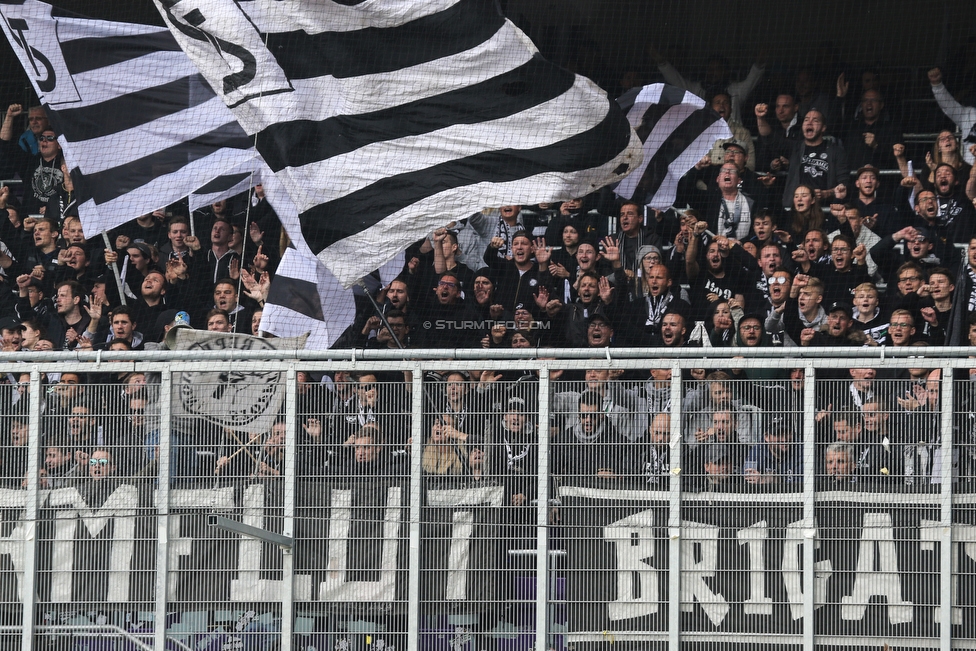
(101, 465)
(43, 173)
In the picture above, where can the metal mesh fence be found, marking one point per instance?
(592, 505)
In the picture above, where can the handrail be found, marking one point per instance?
(446, 354)
(106, 630)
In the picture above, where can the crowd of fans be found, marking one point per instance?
(819, 248)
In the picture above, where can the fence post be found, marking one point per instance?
(542, 519)
(288, 521)
(809, 517)
(674, 516)
(162, 507)
(945, 539)
(29, 594)
(416, 452)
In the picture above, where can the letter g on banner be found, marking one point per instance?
(227, 48)
(33, 33)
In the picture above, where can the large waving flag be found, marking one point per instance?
(140, 127)
(387, 119)
(677, 129)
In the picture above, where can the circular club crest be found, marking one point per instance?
(227, 397)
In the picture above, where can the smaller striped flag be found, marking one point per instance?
(677, 129)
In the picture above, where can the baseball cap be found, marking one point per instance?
(844, 306)
(924, 233)
(10, 323)
(734, 143)
(866, 168)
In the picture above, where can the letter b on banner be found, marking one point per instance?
(637, 581)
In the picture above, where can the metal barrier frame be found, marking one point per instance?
(542, 361)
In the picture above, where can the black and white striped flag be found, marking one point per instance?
(387, 119)
(140, 127)
(677, 129)
(225, 186)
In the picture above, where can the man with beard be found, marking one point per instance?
(151, 304)
(839, 330)
(674, 329)
(955, 217)
(589, 445)
(817, 163)
(847, 270)
(873, 134)
(67, 327)
(516, 279)
(726, 272)
(880, 217)
(712, 396)
(623, 406)
(633, 237)
(813, 255)
(447, 321)
(641, 316)
(396, 296)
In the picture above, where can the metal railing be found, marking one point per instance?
(465, 533)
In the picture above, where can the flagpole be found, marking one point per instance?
(115, 268)
(379, 312)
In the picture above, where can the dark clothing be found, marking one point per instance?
(886, 134)
(512, 286)
(583, 455)
(822, 167)
(840, 286)
(889, 219)
(890, 259)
